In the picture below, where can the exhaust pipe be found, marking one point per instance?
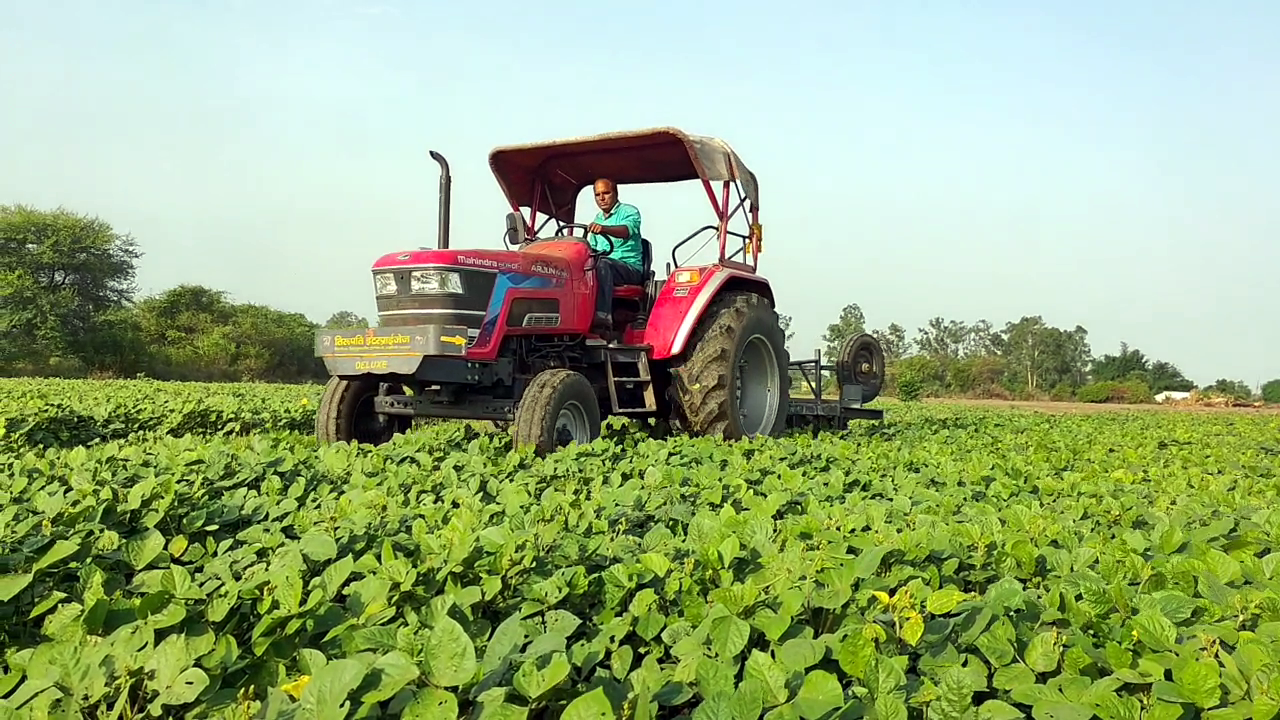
(446, 181)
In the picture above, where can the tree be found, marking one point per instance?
(1126, 364)
(850, 323)
(188, 329)
(1271, 391)
(346, 319)
(893, 340)
(1043, 355)
(1234, 389)
(1162, 376)
(784, 321)
(274, 345)
(199, 334)
(1076, 356)
(942, 340)
(982, 340)
(61, 275)
(1132, 364)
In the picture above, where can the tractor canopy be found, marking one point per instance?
(548, 176)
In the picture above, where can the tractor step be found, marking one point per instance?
(627, 370)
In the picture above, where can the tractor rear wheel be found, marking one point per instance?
(861, 362)
(558, 408)
(346, 413)
(733, 380)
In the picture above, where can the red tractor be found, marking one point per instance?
(505, 335)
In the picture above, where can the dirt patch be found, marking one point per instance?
(1074, 407)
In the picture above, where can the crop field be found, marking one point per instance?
(183, 550)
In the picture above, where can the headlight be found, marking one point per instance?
(385, 283)
(435, 281)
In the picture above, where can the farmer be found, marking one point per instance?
(625, 264)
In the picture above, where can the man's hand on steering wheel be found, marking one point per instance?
(595, 228)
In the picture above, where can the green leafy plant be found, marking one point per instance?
(957, 563)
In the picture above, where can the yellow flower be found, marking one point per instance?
(295, 688)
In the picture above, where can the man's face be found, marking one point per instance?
(606, 195)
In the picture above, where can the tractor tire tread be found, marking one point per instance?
(539, 405)
(334, 421)
(703, 378)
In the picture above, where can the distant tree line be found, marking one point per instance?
(69, 306)
(1027, 359)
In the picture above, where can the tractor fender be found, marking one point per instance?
(680, 305)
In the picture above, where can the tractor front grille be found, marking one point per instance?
(467, 309)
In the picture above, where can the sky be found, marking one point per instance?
(1110, 165)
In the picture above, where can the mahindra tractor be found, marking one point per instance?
(507, 335)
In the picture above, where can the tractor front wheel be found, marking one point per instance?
(733, 380)
(558, 408)
(346, 413)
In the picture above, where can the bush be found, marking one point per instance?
(910, 387)
(917, 376)
(1062, 392)
(1095, 392)
(1129, 392)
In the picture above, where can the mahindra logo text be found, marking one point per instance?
(486, 262)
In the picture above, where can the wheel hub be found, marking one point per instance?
(757, 386)
(571, 425)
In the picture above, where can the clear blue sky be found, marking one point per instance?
(1107, 164)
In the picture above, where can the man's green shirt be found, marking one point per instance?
(629, 251)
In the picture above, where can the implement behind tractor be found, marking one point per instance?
(506, 335)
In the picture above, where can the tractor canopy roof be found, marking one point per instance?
(655, 155)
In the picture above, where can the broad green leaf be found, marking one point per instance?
(505, 642)
(318, 546)
(1043, 653)
(450, 654)
(944, 600)
(11, 585)
(1060, 710)
(771, 677)
(1155, 631)
(820, 692)
(185, 688)
(912, 629)
(1013, 676)
(748, 700)
(799, 654)
(729, 636)
(719, 706)
(60, 550)
(998, 710)
(432, 704)
(1199, 680)
(856, 655)
(141, 549)
(325, 697)
(593, 705)
(392, 671)
(533, 681)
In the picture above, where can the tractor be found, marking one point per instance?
(507, 335)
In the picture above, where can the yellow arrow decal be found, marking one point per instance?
(455, 339)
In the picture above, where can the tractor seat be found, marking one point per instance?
(637, 292)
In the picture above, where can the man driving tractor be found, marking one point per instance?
(625, 265)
